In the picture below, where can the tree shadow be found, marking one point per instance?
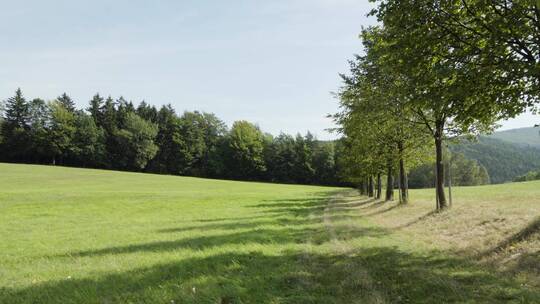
(381, 274)
(418, 220)
(376, 204)
(533, 228)
(241, 223)
(354, 204)
(218, 226)
(229, 219)
(383, 210)
(252, 236)
(368, 275)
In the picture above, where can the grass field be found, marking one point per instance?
(89, 236)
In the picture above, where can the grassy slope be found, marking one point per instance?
(504, 160)
(90, 236)
(521, 136)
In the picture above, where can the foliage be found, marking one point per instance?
(116, 134)
(530, 176)
(88, 142)
(504, 161)
(61, 130)
(16, 141)
(527, 137)
(451, 68)
(245, 144)
(137, 141)
(461, 171)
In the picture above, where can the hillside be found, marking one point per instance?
(93, 236)
(521, 136)
(503, 160)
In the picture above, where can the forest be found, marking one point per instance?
(119, 135)
(116, 134)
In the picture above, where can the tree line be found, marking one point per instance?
(433, 72)
(116, 134)
(530, 176)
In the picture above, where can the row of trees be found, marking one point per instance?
(461, 171)
(116, 134)
(434, 71)
(530, 176)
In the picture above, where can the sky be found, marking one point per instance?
(274, 63)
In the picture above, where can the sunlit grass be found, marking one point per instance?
(91, 236)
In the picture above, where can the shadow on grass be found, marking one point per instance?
(383, 210)
(418, 220)
(375, 204)
(242, 224)
(369, 275)
(365, 275)
(531, 229)
(354, 204)
(253, 236)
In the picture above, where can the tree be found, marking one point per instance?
(502, 35)
(280, 158)
(39, 121)
(2, 107)
(118, 135)
(302, 170)
(447, 89)
(147, 112)
(16, 128)
(123, 107)
(213, 129)
(66, 102)
(195, 131)
(108, 120)
(95, 108)
(170, 142)
(60, 131)
(245, 145)
(374, 113)
(137, 140)
(324, 163)
(88, 145)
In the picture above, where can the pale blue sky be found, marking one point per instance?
(274, 63)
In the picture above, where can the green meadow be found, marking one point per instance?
(93, 236)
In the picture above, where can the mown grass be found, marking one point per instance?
(91, 236)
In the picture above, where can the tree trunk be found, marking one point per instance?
(366, 186)
(403, 182)
(435, 186)
(379, 186)
(361, 188)
(371, 190)
(450, 181)
(440, 167)
(390, 184)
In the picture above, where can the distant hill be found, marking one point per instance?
(522, 136)
(504, 159)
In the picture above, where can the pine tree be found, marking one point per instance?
(17, 111)
(67, 102)
(16, 141)
(94, 109)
